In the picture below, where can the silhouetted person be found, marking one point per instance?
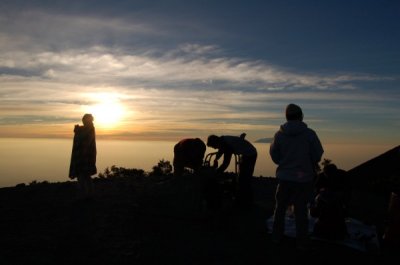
(83, 158)
(188, 153)
(229, 145)
(337, 179)
(296, 150)
(329, 206)
(391, 236)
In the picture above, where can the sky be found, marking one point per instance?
(165, 70)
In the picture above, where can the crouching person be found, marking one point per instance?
(188, 153)
(330, 214)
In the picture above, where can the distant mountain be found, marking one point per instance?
(264, 140)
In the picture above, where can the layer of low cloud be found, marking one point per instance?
(264, 140)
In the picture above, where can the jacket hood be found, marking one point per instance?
(293, 128)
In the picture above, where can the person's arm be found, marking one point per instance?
(217, 157)
(317, 149)
(225, 163)
(274, 151)
(88, 144)
(219, 154)
(315, 208)
(93, 149)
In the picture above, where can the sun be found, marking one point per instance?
(108, 112)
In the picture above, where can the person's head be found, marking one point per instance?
(87, 119)
(213, 141)
(330, 169)
(335, 180)
(293, 113)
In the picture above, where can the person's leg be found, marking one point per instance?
(85, 185)
(89, 186)
(81, 183)
(301, 200)
(81, 186)
(246, 170)
(282, 198)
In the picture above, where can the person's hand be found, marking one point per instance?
(215, 165)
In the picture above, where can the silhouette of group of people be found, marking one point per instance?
(296, 149)
(187, 153)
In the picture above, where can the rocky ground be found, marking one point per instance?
(148, 220)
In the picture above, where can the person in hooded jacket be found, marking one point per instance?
(296, 149)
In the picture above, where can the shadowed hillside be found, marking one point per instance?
(146, 220)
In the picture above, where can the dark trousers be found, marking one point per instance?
(298, 194)
(246, 170)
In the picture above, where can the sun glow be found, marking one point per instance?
(108, 112)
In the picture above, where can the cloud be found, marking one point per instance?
(51, 65)
(264, 140)
(34, 119)
(39, 30)
(120, 51)
(99, 65)
(190, 48)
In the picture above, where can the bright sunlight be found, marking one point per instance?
(108, 112)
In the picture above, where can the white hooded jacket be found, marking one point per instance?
(296, 150)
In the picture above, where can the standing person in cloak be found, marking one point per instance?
(83, 158)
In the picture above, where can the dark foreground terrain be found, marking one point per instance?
(151, 221)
